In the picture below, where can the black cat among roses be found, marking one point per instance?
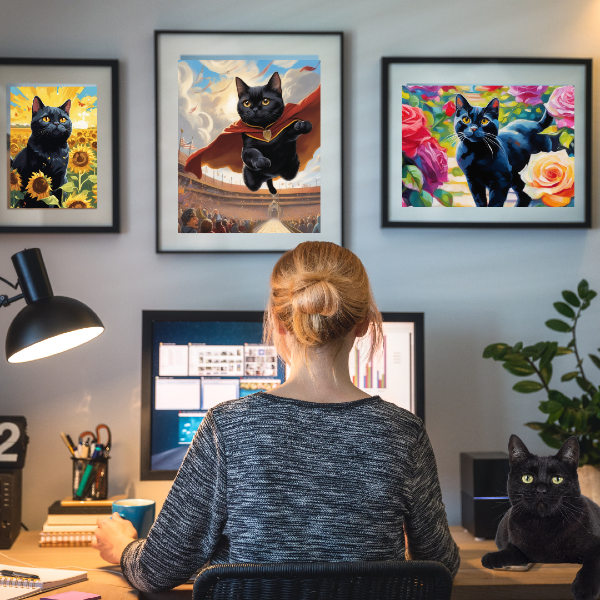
(549, 520)
(47, 152)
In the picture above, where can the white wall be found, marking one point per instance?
(475, 286)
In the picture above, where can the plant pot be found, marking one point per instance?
(589, 482)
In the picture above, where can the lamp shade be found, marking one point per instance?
(48, 324)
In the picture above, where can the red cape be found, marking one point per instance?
(226, 149)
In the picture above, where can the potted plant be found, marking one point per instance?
(577, 415)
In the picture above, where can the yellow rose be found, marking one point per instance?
(550, 176)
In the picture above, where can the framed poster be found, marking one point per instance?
(248, 140)
(59, 118)
(472, 133)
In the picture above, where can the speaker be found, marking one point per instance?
(484, 497)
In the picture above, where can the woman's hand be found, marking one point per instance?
(112, 537)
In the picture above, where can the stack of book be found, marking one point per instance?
(73, 522)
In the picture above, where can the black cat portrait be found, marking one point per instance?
(274, 155)
(47, 150)
(491, 158)
(549, 520)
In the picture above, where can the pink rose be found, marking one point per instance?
(528, 94)
(433, 162)
(561, 105)
(414, 129)
(449, 108)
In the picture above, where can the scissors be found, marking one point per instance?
(95, 438)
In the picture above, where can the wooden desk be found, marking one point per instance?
(473, 582)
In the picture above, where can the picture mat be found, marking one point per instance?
(401, 74)
(37, 76)
(170, 48)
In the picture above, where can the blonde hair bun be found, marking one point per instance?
(319, 293)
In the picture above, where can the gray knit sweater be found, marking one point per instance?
(271, 479)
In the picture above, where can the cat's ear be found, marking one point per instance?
(242, 88)
(66, 106)
(493, 108)
(461, 103)
(517, 450)
(37, 105)
(569, 452)
(275, 83)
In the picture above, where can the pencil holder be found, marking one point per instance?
(90, 478)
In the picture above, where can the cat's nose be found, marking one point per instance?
(541, 489)
(473, 128)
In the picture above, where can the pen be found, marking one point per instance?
(6, 573)
(66, 441)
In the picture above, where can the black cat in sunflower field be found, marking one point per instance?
(42, 164)
(549, 520)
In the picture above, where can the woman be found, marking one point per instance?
(317, 471)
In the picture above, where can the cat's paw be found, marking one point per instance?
(496, 560)
(261, 163)
(585, 588)
(302, 126)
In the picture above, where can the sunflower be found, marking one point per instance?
(39, 186)
(95, 191)
(82, 138)
(15, 181)
(94, 145)
(15, 147)
(94, 134)
(81, 159)
(77, 201)
(72, 141)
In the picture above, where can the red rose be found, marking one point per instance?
(414, 129)
(449, 108)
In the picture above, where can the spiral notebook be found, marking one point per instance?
(12, 588)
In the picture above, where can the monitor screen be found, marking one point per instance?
(193, 360)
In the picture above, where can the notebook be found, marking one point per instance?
(12, 588)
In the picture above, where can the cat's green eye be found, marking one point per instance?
(247, 103)
(557, 480)
(466, 120)
(46, 119)
(527, 478)
(485, 121)
(265, 101)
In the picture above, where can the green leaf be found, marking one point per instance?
(527, 387)
(554, 416)
(564, 309)
(546, 373)
(550, 406)
(571, 298)
(566, 138)
(595, 360)
(550, 440)
(495, 351)
(584, 384)
(548, 354)
(423, 199)
(413, 100)
(560, 351)
(569, 376)
(516, 358)
(550, 130)
(583, 288)
(412, 177)
(68, 187)
(19, 195)
(590, 296)
(457, 172)
(93, 178)
(520, 370)
(559, 397)
(536, 425)
(51, 201)
(517, 347)
(558, 325)
(444, 197)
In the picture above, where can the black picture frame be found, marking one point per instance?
(149, 317)
(37, 74)
(170, 46)
(417, 74)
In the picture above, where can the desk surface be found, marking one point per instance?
(473, 582)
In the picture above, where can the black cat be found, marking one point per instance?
(549, 520)
(490, 157)
(261, 106)
(47, 150)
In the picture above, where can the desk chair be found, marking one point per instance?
(385, 580)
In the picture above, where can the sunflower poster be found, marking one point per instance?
(53, 145)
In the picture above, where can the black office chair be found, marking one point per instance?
(385, 580)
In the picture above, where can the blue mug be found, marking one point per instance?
(139, 512)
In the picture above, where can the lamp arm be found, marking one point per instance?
(4, 299)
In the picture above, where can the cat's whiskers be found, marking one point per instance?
(489, 147)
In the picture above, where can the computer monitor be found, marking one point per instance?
(193, 360)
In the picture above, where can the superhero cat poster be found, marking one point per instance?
(252, 131)
(59, 119)
(489, 139)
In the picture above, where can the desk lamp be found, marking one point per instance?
(49, 324)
